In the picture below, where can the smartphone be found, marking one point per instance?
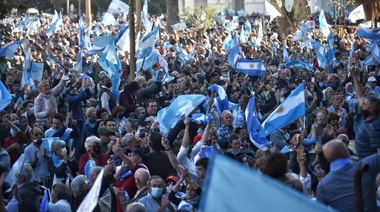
(142, 133)
(312, 79)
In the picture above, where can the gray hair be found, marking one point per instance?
(136, 207)
(77, 184)
(57, 145)
(98, 169)
(90, 141)
(27, 171)
(128, 138)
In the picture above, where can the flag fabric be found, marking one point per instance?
(88, 203)
(118, 6)
(250, 67)
(144, 17)
(79, 62)
(323, 25)
(357, 14)
(288, 111)
(322, 61)
(123, 40)
(248, 27)
(99, 45)
(271, 11)
(9, 49)
(146, 44)
(57, 25)
(26, 76)
(200, 118)
(86, 40)
(169, 116)
(371, 34)
(108, 19)
(37, 70)
(260, 34)
(148, 62)
(234, 53)
(298, 64)
(45, 200)
(33, 26)
(221, 101)
(164, 64)
(304, 29)
(285, 54)
(243, 39)
(5, 96)
(110, 62)
(52, 60)
(17, 167)
(227, 42)
(253, 126)
(81, 30)
(179, 26)
(257, 195)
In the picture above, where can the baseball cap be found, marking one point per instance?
(372, 79)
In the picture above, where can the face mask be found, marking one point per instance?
(156, 192)
(109, 84)
(120, 116)
(97, 149)
(365, 113)
(13, 133)
(38, 142)
(63, 151)
(23, 126)
(31, 110)
(300, 129)
(16, 122)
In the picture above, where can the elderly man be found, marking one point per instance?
(225, 130)
(155, 200)
(336, 189)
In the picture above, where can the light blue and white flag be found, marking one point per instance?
(9, 49)
(26, 76)
(323, 25)
(36, 71)
(288, 111)
(260, 34)
(179, 26)
(144, 17)
(250, 66)
(45, 201)
(304, 29)
(225, 175)
(298, 64)
(234, 53)
(56, 25)
(118, 6)
(371, 34)
(5, 96)
(148, 62)
(227, 42)
(271, 11)
(221, 101)
(164, 64)
(248, 28)
(79, 62)
(253, 126)
(322, 61)
(183, 104)
(81, 30)
(33, 26)
(99, 45)
(285, 54)
(243, 39)
(13, 174)
(146, 44)
(123, 42)
(357, 14)
(108, 19)
(201, 118)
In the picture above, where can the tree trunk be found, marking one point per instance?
(172, 13)
(289, 21)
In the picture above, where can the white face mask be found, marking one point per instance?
(63, 151)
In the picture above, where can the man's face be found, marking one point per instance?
(9, 80)
(12, 117)
(201, 172)
(37, 133)
(57, 124)
(227, 119)
(152, 108)
(372, 84)
(156, 183)
(112, 126)
(16, 87)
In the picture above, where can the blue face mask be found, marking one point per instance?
(156, 192)
(31, 110)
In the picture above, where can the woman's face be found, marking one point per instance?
(235, 144)
(54, 196)
(321, 118)
(92, 113)
(190, 192)
(329, 93)
(93, 175)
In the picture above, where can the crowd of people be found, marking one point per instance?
(71, 127)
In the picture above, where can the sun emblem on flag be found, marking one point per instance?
(252, 65)
(280, 110)
(119, 8)
(113, 60)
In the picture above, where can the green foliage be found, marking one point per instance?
(192, 16)
(157, 7)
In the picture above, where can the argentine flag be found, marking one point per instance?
(146, 44)
(9, 49)
(17, 167)
(250, 67)
(5, 96)
(288, 111)
(118, 6)
(221, 101)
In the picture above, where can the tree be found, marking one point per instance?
(172, 12)
(289, 21)
(371, 9)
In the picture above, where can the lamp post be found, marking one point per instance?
(132, 50)
(88, 12)
(68, 7)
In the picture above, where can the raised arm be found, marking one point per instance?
(172, 158)
(358, 86)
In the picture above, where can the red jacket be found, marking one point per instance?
(103, 158)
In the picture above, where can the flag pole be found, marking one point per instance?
(132, 40)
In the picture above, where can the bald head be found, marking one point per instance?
(335, 149)
(143, 176)
(344, 138)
